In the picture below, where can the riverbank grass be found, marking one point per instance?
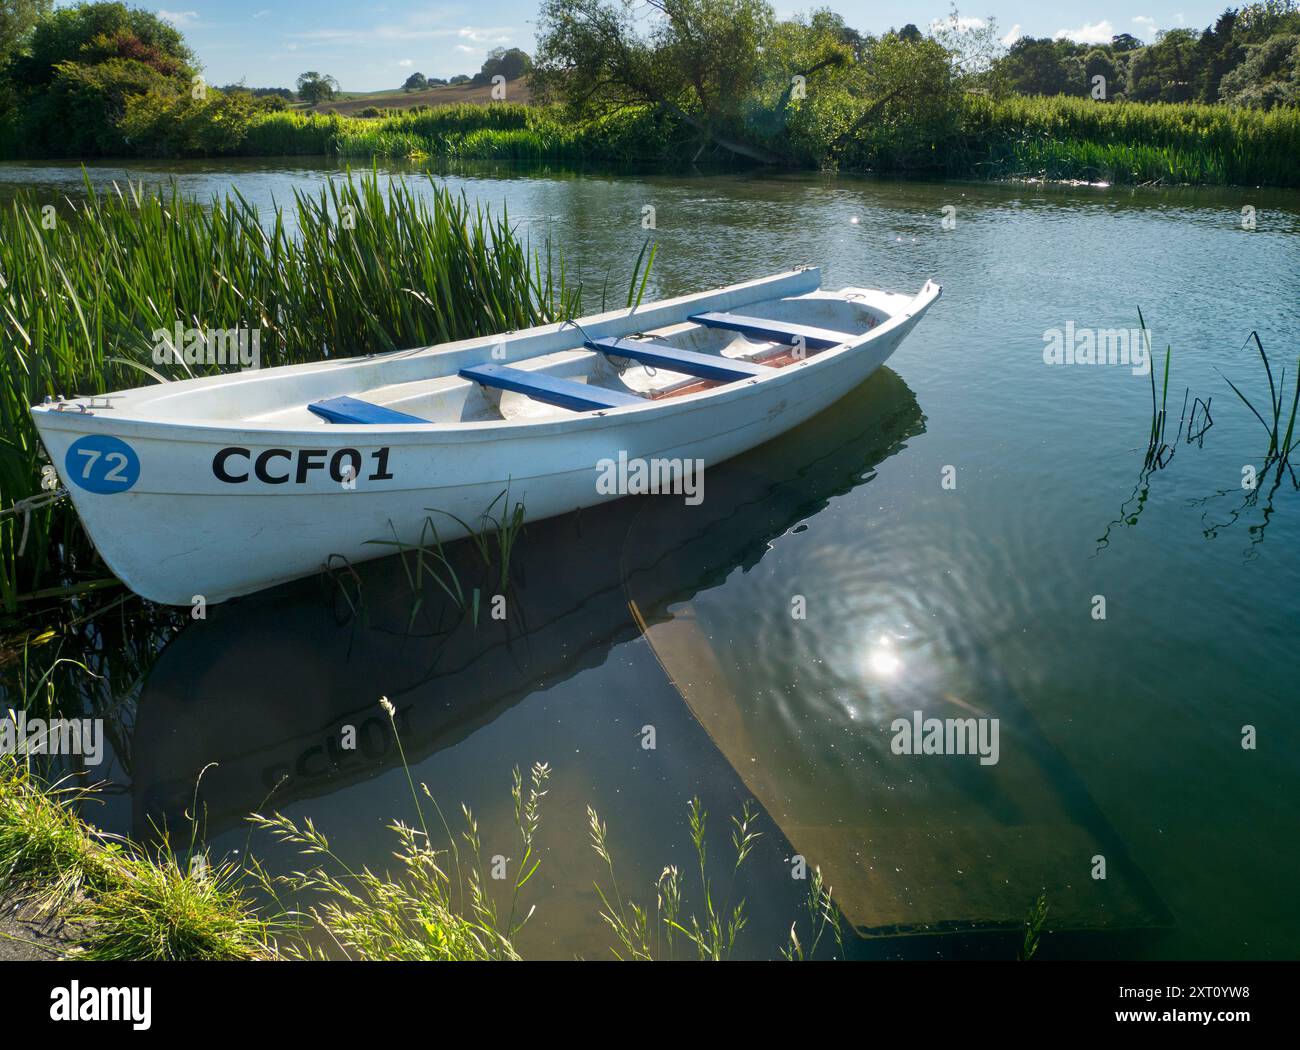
(124, 902)
(1019, 137)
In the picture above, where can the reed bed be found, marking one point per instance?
(503, 131)
(360, 267)
(1017, 137)
(982, 137)
(1127, 142)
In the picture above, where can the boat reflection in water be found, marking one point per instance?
(269, 687)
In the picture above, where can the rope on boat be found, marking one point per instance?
(649, 369)
(576, 324)
(28, 504)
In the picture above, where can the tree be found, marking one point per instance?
(1099, 63)
(698, 61)
(81, 65)
(1218, 52)
(1167, 70)
(975, 44)
(1034, 66)
(415, 82)
(93, 34)
(903, 103)
(511, 63)
(1125, 42)
(314, 88)
(17, 19)
(1257, 22)
(1269, 77)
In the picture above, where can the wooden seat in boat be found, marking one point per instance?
(564, 393)
(776, 331)
(353, 410)
(688, 362)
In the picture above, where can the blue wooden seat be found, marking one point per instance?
(776, 331)
(350, 410)
(688, 362)
(565, 393)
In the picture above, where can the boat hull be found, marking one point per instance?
(223, 511)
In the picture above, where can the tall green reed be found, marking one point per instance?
(1126, 142)
(1280, 445)
(361, 266)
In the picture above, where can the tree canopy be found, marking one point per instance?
(1180, 65)
(78, 67)
(744, 81)
(511, 63)
(314, 88)
(17, 19)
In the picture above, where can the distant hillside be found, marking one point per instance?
(352, 103)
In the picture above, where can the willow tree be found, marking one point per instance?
(805, 90)
(702, 62)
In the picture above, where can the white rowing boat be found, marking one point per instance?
(220, 486)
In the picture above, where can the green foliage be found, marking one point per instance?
(511, 63)
(314, 88)
(91, 33)
(46, 857)
(129, 903)
(715, 79)
(71, 86)
(500, 131)
(434, 908)
(1180, 65)
(711, 932)
(701, 62)
(892, 111)
(1167, 70)
(1067, 138)
(1269, 77)
(17, 19)
(1034, 923)
(164, 124)
(125, 902)
(1036, 67)
(823, 915)
(288, 134)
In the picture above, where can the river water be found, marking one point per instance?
(949, 532)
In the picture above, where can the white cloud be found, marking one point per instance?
(405, 63)
(180, 19)
(1013, 35)
(262, 13)
(1146, 25)
(1094, 33)
(961, 24)
(485, 36)
(386, 34)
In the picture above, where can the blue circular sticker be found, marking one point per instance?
(101, 463)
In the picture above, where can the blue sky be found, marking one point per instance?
(370, 46)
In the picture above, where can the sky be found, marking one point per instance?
(367, 47)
